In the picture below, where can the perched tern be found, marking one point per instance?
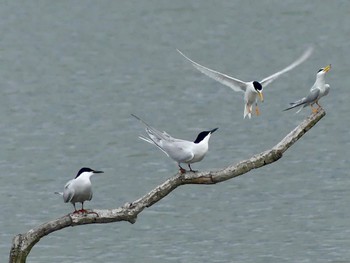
(251, 89)
(179, 150)
(317, 91)
(78, 190)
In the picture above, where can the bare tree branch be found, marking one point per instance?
(23, 243)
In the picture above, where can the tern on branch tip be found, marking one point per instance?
(251, 89)
(317, 91)
(78, 190)
(181, 151)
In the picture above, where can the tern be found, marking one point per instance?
(317, 91)
(78, 190)
(181, 151)
(251, 89)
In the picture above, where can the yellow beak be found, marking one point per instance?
(261, 96)
(326, 69)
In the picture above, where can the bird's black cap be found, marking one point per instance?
(86, 169)
(257, 85)
(204, 134)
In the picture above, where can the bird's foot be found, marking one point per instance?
(257, 111)
(182, 170)
(85, 212)
(314, 110)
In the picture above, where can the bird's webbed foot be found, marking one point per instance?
(182, 170)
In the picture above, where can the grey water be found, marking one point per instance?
(72, 72)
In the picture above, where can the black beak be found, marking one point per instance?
(98, 172)
(213, 130)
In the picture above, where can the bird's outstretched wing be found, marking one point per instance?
(235, 84)
(68, 192)
(266, 81)
(313, 95)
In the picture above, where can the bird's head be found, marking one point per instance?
(324, 70)
(85, 171)
(204, 135)
(258, 88)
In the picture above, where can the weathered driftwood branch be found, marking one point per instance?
(23, 243)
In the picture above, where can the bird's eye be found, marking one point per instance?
(320, 70)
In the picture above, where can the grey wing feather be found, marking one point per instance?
(155, 136)
(235, 84)
(177, 152)
(154, 131)
(152, 142)
(312, 97)
(68, 192)
(266, 81)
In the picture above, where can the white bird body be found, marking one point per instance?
(318, 90)
(179, 150)
(251, 89)
(79, 189)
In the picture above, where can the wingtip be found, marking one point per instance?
(308, 52)
(178, 50)
(136, 116)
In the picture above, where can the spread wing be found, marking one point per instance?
(304, 56)
(235, 84)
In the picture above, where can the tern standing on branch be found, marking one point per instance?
(78, 190)
(317, 91)
(179, 150)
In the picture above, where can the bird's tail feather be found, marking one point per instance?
(296, 104)
(152, 142)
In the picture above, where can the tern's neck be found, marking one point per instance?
(85, 177)
(205, 141)
(320, 80)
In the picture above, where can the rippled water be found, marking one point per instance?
(71, 74)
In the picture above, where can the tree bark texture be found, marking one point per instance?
(23, 243)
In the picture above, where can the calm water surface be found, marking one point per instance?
(72, 72)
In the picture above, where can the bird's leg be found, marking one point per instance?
(75, 209)
(313, 109)
(182, 170)
(83, 211)
(257, 109)
(189, 166)
(319, 106)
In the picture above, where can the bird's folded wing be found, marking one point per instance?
(266, 81)
(235, 84)
(313, 95)
(306, 100)
(68, 192)
(179, 153)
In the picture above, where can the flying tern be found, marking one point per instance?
(251, 89)
(78, 190)
(317, 91)
(179, 150)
